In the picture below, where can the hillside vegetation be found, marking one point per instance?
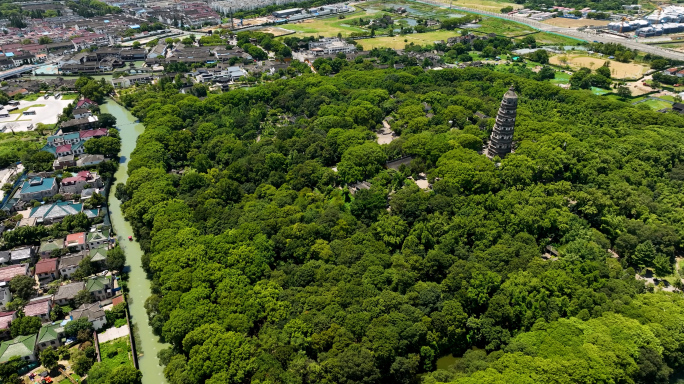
(266, 270)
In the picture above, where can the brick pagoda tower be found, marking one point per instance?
(500, 143)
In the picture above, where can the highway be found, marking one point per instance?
(588, 35)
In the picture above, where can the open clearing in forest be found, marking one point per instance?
(618, 70)
(574, 23)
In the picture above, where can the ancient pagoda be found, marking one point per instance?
(501, 141)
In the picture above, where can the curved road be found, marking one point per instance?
(570, 32)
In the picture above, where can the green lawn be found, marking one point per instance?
(561, 78)
(32, 97)
(397, 42)
(503, 27)
(327, 27)
(69, 96)
(115, 352)
(21, 110)
(657, 104)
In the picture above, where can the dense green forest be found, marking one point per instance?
(266, 269)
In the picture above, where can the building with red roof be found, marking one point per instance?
(7, 273)
(6, 319)
(85, 103)
(39, 307)
(76, 240)
(47, 270)
(76, 184)
(93, 133)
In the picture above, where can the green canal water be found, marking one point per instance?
(139, 286)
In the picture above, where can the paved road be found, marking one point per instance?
(588, 35)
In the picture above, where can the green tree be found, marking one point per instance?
(23, 286)
(25, 325)
(361, 162)
(49, 358)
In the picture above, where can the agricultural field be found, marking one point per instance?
(575, 23)
(618, 70)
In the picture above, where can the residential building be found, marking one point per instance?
(76, 241)
(100, 287)
(83, 179)
(66, 293)
(22, 255)
(69, 150)
(39, 307)
(6, 319)
(89, 192)
(98, 238)
(85, 103)
(47, 247)
(63, 162)
(55, 212)
(5, 294)
(38, 188)
(46, 270)
(7, 273)
(51, 335)
(69, 264)
(93, 312)
(88, 160)
(80, 113)
(79, 124)
(98, 255)
(22, 346)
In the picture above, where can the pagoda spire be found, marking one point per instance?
(501, 140)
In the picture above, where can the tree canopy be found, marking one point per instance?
(266, 268)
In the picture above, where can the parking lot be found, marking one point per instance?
(46, 113)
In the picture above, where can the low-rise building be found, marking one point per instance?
(9, 272)
(63, 162)
(22, 346)
(79, 124)
(100, 287)
(22, 255)
(47, 270)
(6, 319)
(47, 247)
(98, 238)
(37, 188)
(39, 307)
(93, 312)
(68, 264)
(55, 212)
(5, 294)
(67, 293)
(50, 335)
(330, 46)
(83, 179)
(76, 241)
(88, 160)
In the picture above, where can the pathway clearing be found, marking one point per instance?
(113, 333)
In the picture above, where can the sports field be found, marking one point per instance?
(574, 23)
(618, 70)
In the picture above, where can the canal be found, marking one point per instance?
(138, 285)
